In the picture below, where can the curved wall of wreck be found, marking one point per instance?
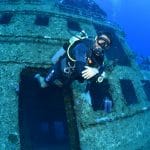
(26, 42)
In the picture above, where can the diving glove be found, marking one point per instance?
(89, 72)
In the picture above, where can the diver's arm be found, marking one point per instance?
(101, 75)
(95, 74)
(98, 78)
(79, 54)
(82, 69)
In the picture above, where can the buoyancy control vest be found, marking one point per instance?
(72, 42)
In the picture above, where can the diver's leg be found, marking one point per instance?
(45, 81)
(53, 77)
(41, 81)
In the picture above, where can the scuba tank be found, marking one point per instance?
(77, 37)
(57, 55)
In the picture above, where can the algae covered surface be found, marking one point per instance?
(31, 32)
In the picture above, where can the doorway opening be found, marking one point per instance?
(42, 115)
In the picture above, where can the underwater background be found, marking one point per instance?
(133, 16)
(31, 118)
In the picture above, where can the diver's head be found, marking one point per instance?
(101, 43)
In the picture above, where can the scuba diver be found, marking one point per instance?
(81, 59)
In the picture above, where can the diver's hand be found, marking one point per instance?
(89, 72)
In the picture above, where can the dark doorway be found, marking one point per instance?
(73, 25)
(146, 86)
(128, 92)
(99, 92)
(42, 20)
(6, 18)
(42, 116)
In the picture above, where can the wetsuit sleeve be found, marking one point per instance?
(101, 68)
(79, 54)
(100, 61)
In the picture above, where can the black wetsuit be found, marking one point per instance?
(81, 52)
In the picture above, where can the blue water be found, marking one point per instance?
(134, 17)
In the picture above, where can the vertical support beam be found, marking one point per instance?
(71, 119)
